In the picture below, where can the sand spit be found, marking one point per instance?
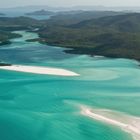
(129, 124)
(39, 70)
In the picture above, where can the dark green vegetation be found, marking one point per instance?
(112, 36)
(7, 25)
(18, 23)
(73, 17)
(109, 34)
(5, 64)
(5, 37)
(40, 13)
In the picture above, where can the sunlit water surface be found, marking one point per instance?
(38, 107)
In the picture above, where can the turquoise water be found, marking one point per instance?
(38, 107)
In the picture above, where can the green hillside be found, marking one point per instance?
(109, 34)
(112, 36)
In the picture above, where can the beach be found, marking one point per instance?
(129, 124)
(39, 70)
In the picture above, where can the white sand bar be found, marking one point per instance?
(39, 70)
(130, 124)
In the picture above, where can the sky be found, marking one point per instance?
(68, 3)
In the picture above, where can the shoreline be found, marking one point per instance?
(128, 124)
(39, 70)
(73, 50)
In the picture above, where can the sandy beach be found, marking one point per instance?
(130, 125)
(39, 70)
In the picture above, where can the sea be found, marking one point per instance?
(47, 107)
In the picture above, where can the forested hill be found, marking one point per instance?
(112, 36)
(19, 21)
(73, 17)
(124, 23)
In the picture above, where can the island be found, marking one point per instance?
(109, 34)
(40, 13)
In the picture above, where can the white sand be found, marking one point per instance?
(130, 124)
(39, 70)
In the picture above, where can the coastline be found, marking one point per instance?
(39, 70)
(70, 49)
(128, 124)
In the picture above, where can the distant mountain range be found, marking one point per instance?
(86, 8)
(40, 13)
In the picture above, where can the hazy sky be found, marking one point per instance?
(12, 3)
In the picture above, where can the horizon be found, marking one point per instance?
(42, 7)
(68, 3)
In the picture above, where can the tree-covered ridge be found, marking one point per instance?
(73, 17)
(124, 23)
(18, 23)
(41, 13)
(113, 36)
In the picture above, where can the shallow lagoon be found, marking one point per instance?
(39, 107)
